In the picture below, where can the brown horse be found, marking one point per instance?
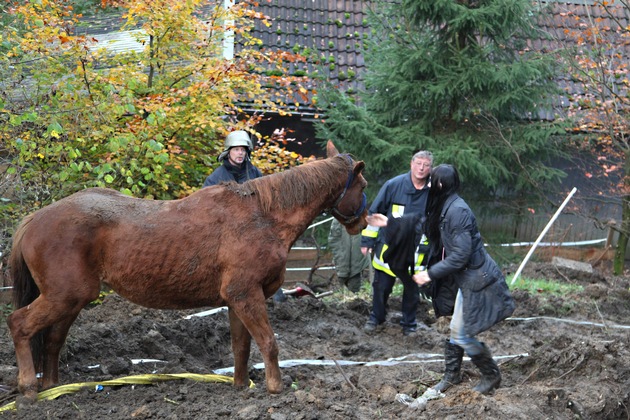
(225, 245)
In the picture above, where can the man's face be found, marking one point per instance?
(237, 154)
(420, 168)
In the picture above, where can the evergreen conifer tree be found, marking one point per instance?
(455, 77)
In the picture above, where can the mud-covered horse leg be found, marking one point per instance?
(27, 382)
(54, 338)
(25, 323)
(252, 312)
(241, 348)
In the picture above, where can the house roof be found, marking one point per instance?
(569, 26)
(336, 28)
(330, 33)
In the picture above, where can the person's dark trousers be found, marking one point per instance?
(410, 300)
(381, 289)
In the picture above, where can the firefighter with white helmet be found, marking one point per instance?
(236, 161)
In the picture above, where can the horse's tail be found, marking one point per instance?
(25, 291)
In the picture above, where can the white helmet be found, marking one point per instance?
(236, 138)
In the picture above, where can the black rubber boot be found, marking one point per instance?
(490, 374)
(453, 355)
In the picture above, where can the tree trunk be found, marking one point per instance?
(622, 242)
(624, 231)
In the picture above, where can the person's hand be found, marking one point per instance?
(365, 250)
(421, 278)
(377, 219)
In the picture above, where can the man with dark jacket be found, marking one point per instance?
(236, 161)
(403, 194)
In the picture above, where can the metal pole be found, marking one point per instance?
(542, 234)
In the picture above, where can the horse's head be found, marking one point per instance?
(350, 208)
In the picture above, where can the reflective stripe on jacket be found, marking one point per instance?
(419, 263)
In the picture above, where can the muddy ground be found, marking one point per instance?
(552, 369)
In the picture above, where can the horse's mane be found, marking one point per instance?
(298, 185)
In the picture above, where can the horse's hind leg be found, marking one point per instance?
(25, 323)
(241, 347)
(27, 382)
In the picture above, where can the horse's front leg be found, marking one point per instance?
(252, 313)
(54, 339)
(241, 347)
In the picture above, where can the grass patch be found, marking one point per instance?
(5, 310)
(553, 297)
(537, 286)
(342, 294)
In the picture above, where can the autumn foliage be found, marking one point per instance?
(600, 100)
(148, 121)
(599, 66)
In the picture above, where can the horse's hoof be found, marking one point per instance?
(25, 400)
(239, 386)
(275, 389)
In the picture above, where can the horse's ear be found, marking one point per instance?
(358, 168)
(331, 150)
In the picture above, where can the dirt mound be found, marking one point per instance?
(560, 358)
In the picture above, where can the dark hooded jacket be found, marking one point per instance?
(397, 197)
(487, 299)
(228, 172)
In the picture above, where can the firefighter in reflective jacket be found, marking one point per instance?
(404, 194)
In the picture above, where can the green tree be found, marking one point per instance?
(457, 78)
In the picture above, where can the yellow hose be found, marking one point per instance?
(52, 393)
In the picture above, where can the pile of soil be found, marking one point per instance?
(561, 358)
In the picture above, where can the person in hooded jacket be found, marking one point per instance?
(466, 282)
(237, 167)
